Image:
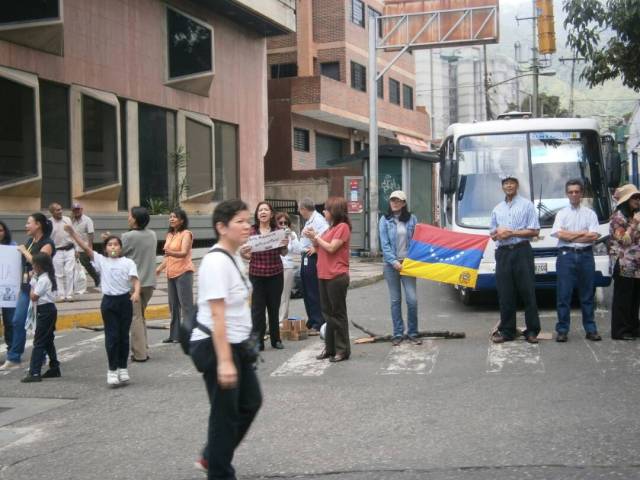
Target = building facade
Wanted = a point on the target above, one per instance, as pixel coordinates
(318, 100)
(128, 102)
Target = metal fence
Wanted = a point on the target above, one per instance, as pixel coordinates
(288, 206)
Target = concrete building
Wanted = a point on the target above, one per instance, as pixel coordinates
(125, 102)
(318, 101)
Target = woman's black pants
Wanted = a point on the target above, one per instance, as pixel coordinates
(117, 311)
(267, 292)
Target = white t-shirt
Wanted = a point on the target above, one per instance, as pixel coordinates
(42, 287)
(114, 273)
(218, 278)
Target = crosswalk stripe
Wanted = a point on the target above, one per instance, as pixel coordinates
(514, 357)
(413, 359)
(66, 354)
(303, 363)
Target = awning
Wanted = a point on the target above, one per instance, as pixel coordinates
(414, 143)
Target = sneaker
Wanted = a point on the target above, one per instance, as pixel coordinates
(202, 465)
(395, 341)
(9, 365)
(413, 340)
(31, 378)
(123, 375)
(562, 337)
(112, 378)
(52, 373)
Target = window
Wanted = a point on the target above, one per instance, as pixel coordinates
(380, 84)
(331, 70)
(300, 140)
(226, 161)
(375, 14)
(123, 197)
(157, 154)
(358, 77)
(394, 91)
(199, 157)
(283, 70)
(327, 148)
(99, 143)
(357, 12)
(407, 97)
(54, 131)
(29, 11)
(189, 45)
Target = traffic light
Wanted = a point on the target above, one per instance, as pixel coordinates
(546, 30)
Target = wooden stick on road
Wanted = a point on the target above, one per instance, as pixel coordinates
(374, 337)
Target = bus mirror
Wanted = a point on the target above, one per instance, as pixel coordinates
(614, 169)
(449, 176)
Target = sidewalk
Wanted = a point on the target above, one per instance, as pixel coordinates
(85, 311)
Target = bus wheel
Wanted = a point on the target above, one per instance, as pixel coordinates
(466, 295)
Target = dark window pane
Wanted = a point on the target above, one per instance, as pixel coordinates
(380, 84)
(357, 12)
(301, 140)
(394, 91)
(156, 140)
(189, 45)
(199, 161)
(407, 97)
(331, 70)
(327, 148)
(284, 70)
(99, 140)
(123, 201)
(226, 161)
(17, 132)
(54, 130)
(28, 10)
(358, 77)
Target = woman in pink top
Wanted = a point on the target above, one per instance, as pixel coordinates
(179, 268)
(333, 276)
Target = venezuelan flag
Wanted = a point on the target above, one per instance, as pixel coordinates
(444, 256)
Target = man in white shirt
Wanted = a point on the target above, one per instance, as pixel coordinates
(308, 270)
(83, 225)
(576, 228)
(64, 260)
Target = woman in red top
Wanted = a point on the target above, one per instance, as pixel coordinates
(333, 276)
(266, 275)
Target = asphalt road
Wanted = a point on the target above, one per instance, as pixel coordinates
(448, 409)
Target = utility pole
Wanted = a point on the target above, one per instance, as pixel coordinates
(373, 137)
(516, 48)
(573, 61)
(534, 62)
(486, 85)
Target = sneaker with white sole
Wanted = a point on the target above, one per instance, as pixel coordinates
(123, 375)
(112, 378)
(9, 365)
(202, 465)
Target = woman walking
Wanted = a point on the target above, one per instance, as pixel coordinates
(624, 230)
(219, 346)
(333, 276)
(283, 221)
(396, 231)
(179, 269)
(38, 229)
(139, 244)
(267, 277)
(43, 288)
(118, 276)
(7, 312)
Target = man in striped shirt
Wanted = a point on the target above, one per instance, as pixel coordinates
(576, 228)
(513, 223)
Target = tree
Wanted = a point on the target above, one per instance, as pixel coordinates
(607, 35)
(549, 106)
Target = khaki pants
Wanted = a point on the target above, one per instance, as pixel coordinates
(139, 344)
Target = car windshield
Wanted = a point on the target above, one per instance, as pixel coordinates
(541, 161)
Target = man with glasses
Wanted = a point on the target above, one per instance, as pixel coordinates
(576, 228)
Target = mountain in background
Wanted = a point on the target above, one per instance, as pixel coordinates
(609, 101)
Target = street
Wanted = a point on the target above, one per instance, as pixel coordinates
(448, 409)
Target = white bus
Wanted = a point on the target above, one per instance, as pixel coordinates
(543, 154)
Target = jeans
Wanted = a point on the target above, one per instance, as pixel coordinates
(180, 301)
(232, 412)
(117, 311)
(395, 282)
(575, 270)
(310, 292)
(19, 334)
(43, 339)
(267, 292)
(333, 298)
(7, 324)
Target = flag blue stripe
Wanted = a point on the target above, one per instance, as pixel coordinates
(428, 253)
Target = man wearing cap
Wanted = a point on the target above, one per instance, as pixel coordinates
(64, 260)
(513, 223)
(576, 228)
(83, 225)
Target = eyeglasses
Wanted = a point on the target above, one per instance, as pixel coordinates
(283, 223)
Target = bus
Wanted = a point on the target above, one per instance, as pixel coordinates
(543, 154)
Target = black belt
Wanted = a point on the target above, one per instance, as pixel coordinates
(576, 249)
(513, 246)
(66, 247)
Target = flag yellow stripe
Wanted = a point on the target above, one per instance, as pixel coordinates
(440, 272)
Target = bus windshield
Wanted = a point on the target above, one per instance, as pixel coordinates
(541, 161)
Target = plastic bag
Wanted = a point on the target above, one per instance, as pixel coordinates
(32, 313)
(79, 279)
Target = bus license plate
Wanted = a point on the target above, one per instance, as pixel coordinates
(541, 268)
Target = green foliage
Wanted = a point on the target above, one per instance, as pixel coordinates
(178, 161)
(156, 206)
(588, 25)
(549, 105)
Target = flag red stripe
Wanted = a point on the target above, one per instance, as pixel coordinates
(446, 238)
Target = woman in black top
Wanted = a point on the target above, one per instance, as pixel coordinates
(38, 229)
